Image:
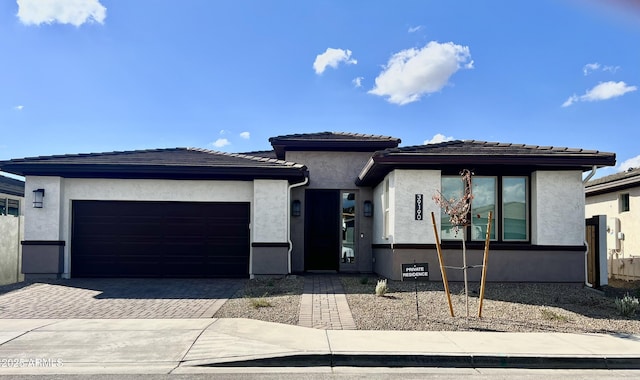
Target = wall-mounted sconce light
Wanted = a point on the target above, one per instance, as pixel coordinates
(367, 209)
(38, 198)
(296, 208)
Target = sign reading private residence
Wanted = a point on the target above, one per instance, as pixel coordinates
(416, 271)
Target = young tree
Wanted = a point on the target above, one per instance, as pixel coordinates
(459, 215)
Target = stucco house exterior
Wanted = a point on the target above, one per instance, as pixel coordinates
(617, 196)
(328, 201)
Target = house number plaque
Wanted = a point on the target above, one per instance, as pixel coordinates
(419, 201)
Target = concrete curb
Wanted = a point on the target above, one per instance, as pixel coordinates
(434, 360)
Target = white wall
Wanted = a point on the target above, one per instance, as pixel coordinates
(408, 183)
(607, 204)
(44, 223)
(270, 211)
(378, 211)
(557, 210)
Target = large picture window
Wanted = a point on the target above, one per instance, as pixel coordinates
(505, 196)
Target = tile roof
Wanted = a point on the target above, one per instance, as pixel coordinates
(476, 154)
(11, 186)
(188, 161)
(336, 136)
(614, 182)
(474, 147)
(331, 141)
(262, 153)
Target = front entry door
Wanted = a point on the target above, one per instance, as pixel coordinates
(322, 230)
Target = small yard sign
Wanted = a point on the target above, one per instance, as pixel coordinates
(416, 271)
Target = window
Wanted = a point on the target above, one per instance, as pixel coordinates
(9, 207)
(514, 209)
(348, 227)
(506, 197)
(484, 200)
(623, 202)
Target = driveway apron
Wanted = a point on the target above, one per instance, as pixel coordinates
(118, 298)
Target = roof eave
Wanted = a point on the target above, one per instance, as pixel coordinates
(291, 173)
(382, 163)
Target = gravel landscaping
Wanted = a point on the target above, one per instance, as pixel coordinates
(506, 307)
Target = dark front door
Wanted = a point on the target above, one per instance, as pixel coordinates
(159, 239)
(322, 230)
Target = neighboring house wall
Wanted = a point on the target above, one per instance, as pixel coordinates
(268, 199)
(11, 234)
(623, 254)
(333, 170)
(556, 219)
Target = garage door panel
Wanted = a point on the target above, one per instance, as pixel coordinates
(159, 239)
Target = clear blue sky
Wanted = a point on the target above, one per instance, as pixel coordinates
(80, 76)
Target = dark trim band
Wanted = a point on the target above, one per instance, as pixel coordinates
(44, 242)
(270, 245)
(493, 246)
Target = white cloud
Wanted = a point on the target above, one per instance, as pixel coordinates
(357, 81)
(572, 99)
(590, 67)
(219, 143)
(633, 162)
(411, 73)
(414, 29)
(332, 57)
(19, 107)
(245, 135)
(602, 91)
(438, 138)
(74, 12)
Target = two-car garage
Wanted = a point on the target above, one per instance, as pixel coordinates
(160, 239)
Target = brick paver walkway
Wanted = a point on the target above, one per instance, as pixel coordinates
(324, 304)
(118, 298)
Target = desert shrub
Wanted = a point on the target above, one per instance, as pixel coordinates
(627, 305)
(381, 288)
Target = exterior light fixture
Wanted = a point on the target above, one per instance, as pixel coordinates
(296, 208)
(38, 198)
(367, 209)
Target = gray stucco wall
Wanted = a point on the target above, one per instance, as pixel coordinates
(269, 261)
(503, 266)
(333, 170)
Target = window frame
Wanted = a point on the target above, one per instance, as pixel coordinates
(498, 223)
(527, 208)
(624, 204)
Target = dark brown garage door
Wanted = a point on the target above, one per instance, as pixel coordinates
(159, 239)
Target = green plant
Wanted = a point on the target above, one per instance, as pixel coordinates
(364, 280)
(628, 305)
(551, 315)
(257, 303)
(381, 288)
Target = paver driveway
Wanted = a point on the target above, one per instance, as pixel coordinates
(117, 298)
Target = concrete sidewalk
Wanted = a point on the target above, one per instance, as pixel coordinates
(161, 346)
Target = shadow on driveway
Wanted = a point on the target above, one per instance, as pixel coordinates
(117, 298)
